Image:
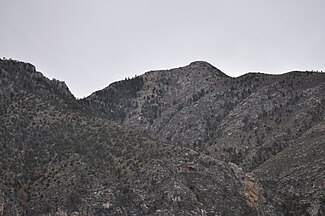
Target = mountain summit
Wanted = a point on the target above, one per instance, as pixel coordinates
(203, 65)
(184, 141)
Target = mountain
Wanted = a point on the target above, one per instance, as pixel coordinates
(251, 120)
(185, 141)
(245, 120)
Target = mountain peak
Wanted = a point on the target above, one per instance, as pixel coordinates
(200, 64)
(203, 65)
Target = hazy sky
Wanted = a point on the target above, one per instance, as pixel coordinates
(90, 44)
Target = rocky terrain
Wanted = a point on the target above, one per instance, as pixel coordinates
(185, 141)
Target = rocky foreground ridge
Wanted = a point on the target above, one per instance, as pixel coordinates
(185, 141)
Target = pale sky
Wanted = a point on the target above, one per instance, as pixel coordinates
(90, 44)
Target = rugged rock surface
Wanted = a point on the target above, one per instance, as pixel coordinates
(187, 141)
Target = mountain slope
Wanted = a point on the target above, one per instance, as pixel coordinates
(230, 118)
(57, 158)
(297, 174)
(247, 120)
(185, 141)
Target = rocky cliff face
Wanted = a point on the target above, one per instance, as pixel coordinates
(186, 141)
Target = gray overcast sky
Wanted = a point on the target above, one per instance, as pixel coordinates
(92, 43)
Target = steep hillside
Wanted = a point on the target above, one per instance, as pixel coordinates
(58, 159)
(160, 99)
(297, 174)
(235, 119)
(248, 120)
